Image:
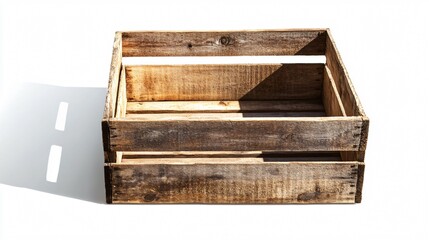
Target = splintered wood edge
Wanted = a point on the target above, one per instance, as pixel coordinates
(115, 69)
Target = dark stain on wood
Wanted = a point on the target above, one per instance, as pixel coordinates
(307, 196)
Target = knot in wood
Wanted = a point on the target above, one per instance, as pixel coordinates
(225, 40)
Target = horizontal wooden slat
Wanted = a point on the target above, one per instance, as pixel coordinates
(237, 134)
(225, 106)
(291, 182)
(271, 42)
(224, 82)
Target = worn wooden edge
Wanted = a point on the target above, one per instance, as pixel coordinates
(231, 30)
(364, 133)
(359, 182)
(108, 182)
(251, 119)
(331, 98)
(157, 183)
(121, 103)
(115, 68)
(105, 130)
(335, 63)
(224, 43)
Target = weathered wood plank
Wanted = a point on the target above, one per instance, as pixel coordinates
(359, 182)
(237, 134)
(121, 103)
(224, 82)
(290, 182)
(115, 69)
(312, 105)
(341, 78)
(270, 42)
(331, 98)
(112, 89)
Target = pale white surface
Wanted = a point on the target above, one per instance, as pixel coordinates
(52, 45)
(54, 161)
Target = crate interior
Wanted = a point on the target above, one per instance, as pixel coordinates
(229, 91)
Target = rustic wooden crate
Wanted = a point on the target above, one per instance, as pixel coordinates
(232, 133)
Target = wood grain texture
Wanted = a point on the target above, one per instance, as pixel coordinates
(237, 134)
(291, 182)
(115, 69)
(359, 182)
(331, 98)
(121, 102)
(312, 105)
(224, 82)
(111, 96)
(270, 42)
(341, 78)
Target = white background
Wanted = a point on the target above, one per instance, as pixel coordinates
(53, 52)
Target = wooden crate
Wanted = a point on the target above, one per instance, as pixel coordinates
(232, 133)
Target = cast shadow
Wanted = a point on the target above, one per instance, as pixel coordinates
(28, 131)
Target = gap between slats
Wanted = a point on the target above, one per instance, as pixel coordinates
(222, 109)
(224, 157)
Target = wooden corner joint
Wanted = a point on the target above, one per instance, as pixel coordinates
(364, 133)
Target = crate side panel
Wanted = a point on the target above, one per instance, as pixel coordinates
(281, 42)
(224, 82)
(245, 134)
(315, 182)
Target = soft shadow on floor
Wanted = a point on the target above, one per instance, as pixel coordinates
(28, 131)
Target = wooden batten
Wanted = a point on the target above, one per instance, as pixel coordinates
(349, 98)
(121, 103)
(112, 91)
(240, 134)
(292, 182)
(331, 98)
(219, 82)
(115, 70)
(225, 43)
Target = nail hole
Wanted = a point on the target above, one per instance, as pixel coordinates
(53, 163)
(189, 45)
(60, 123)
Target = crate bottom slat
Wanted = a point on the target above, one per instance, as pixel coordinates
(217, 182)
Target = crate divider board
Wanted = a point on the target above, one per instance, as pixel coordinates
(232, 133)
